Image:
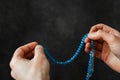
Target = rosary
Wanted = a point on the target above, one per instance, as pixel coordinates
(90, 69)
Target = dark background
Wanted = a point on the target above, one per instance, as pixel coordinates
(59, 25)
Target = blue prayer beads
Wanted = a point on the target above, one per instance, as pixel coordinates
(90, 62)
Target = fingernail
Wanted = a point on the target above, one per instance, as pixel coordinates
(39, 46)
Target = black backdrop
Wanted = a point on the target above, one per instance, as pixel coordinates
(59, 25)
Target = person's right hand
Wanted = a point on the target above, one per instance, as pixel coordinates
(107, 45)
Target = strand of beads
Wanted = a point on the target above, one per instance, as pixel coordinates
(91, 57)
(90, 62)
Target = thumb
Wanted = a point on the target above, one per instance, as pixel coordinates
(100, 34)
(39, 54)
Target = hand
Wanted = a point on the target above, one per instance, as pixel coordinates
(29, 63)
(107, 45)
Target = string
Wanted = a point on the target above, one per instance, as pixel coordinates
(90, 69)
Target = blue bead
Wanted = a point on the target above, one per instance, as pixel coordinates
(90, 62)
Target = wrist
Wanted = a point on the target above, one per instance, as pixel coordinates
(114, 63)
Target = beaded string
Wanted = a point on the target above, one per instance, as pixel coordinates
(90, 69)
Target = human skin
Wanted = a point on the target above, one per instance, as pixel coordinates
(107, 45)
(30, 63)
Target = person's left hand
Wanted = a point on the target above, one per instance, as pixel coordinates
(30, 63)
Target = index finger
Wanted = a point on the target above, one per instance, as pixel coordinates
(23, 50)
(105, 28)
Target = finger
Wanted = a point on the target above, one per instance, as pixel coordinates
(105, 28)
(30, 55)
(13, 63)
(23, 50)
(88, 45)
(13, 74)
(39, 54)
(98, 46)
(87, 40)
(40, 59)
(100, 34)
(100, 26)
(87, 50)
(97, 53)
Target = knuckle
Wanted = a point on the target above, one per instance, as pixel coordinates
(12, 64)
(97, 27)
(113, 38)
(99, 32)
(12, 74)
(100, 24)
(18, 49)
(93, 27)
